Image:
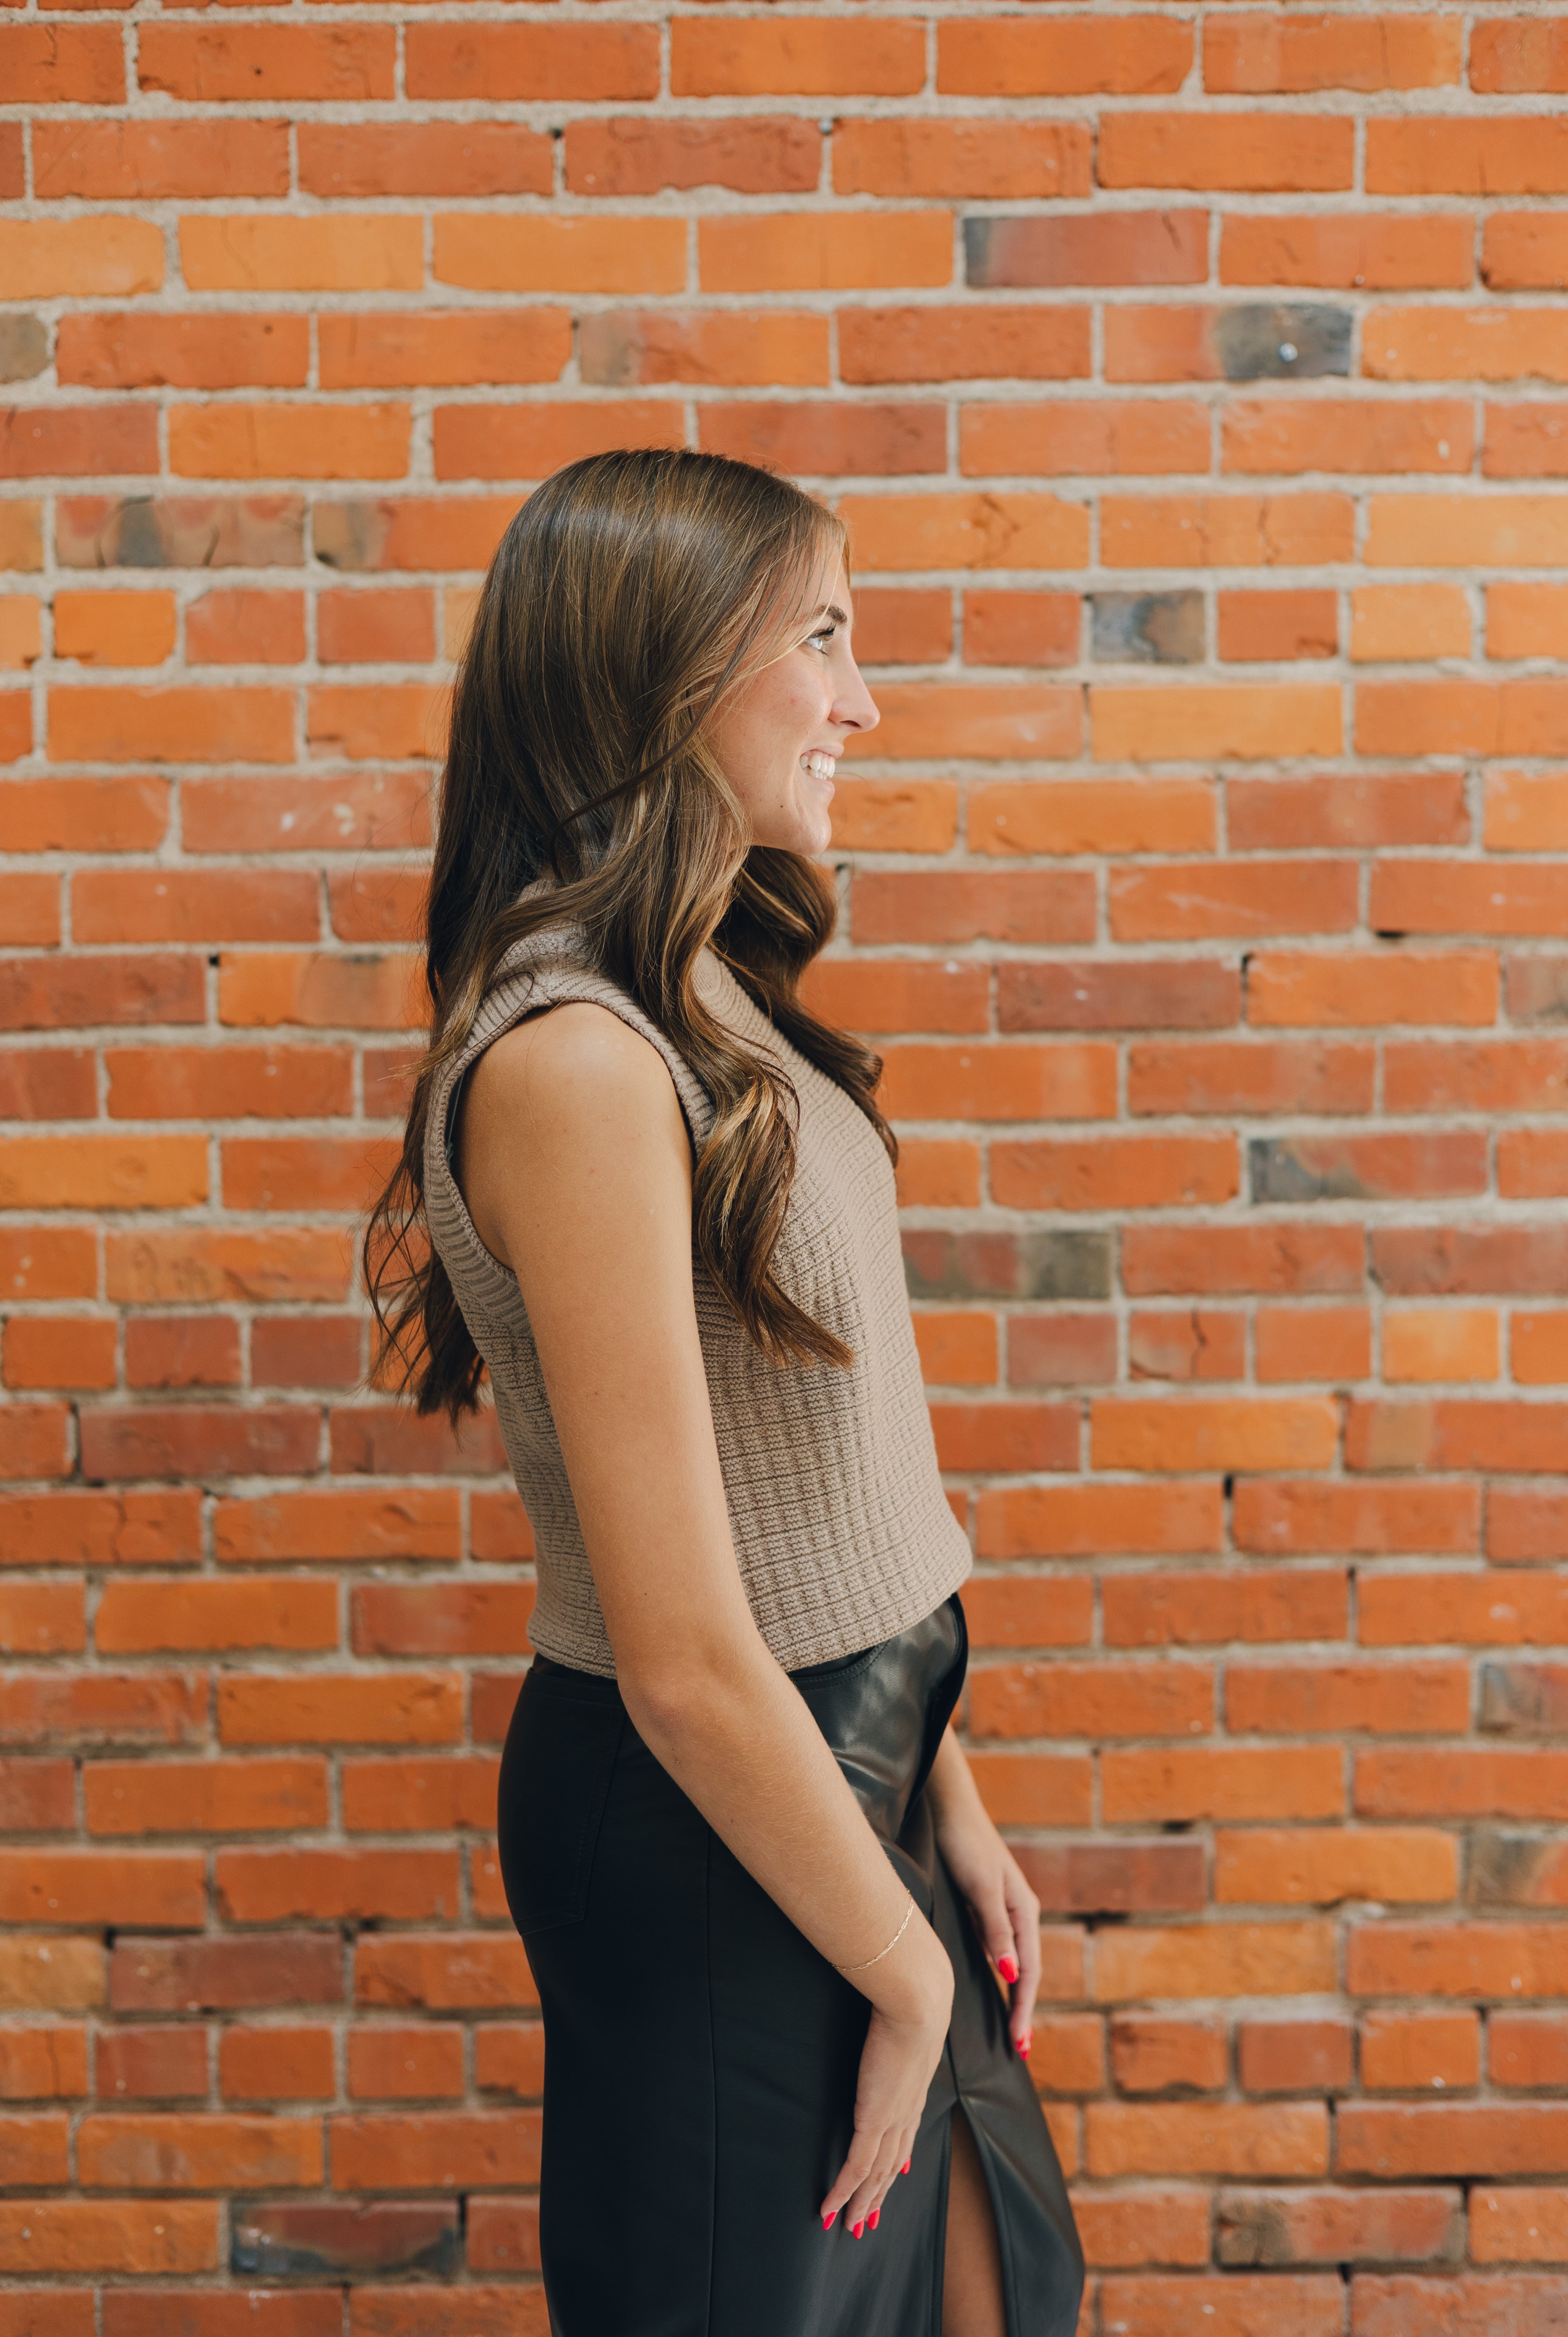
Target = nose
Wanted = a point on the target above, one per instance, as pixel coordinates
(853, 707)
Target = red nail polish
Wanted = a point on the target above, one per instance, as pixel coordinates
(858, 2228)
(828, 2221)
(1009, 1968)
(874, 2218)
(906, 2167)
(1027, 2044)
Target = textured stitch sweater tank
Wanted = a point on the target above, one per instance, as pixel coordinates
(841, 1530)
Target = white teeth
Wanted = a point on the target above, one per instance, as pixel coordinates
(819, 765)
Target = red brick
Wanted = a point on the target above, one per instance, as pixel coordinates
(62, 65)
(1380, 250)
(109, 161)
(193, 352)
(268, 62)
(151, 2064)
(435, 2150)
(1286, 2304)
(1253, 53)
(953, 157)
(1153, 2055)
(1401, 2052)
(1262, 153)
(185, 2152)
(1521, 2225)
(225, 1975)
(77, 441)
(421, 158)
(275, 2065)
(759, 155)
(825, 439)
(536, 61)
(225, 1797)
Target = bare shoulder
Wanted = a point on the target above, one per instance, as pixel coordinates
(582, 1101)
(569, 1058)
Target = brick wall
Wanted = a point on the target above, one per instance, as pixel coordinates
(1190, 380)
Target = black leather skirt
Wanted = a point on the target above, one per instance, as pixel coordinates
(701, 2056)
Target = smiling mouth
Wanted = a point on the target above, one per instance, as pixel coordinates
(819, 765)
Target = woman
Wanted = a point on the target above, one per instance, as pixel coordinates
(785, 2097)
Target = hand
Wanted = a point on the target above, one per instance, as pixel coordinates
(904, 2043)
(1006, 1912)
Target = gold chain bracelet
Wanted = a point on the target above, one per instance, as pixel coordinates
(881, 1953)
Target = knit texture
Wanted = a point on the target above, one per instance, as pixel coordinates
(841, 1529)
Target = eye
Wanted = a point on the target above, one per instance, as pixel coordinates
(820, 640)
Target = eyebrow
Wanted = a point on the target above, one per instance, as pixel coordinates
(831, 609)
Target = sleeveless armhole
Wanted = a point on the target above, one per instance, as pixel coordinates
(515, 998)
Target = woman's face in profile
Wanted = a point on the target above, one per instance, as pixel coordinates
(779, 738)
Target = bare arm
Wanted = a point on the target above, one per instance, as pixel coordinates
(576, 1168)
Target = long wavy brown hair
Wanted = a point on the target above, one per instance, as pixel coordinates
(631, 593)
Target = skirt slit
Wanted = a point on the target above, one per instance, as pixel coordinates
(701, 2056)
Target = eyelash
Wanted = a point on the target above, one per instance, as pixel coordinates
(824, 633)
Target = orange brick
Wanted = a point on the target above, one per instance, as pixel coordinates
(295, 441)
(115, 629)
(1303, 1866)
(21, 633)
(1076, 818)
(81, 256)
(1255, 1434)
(1400, 2052)
(627, 155)
(969, 343)
(1313, 1343)
(1361, 988)
(491, 62)
(1253, 53)
(418, 158)
(618, 347)
(266, 62)
(565, 255)
(816, 251)
(1117, 435)
(1227, 531)
(794, 56)
(1259, 627)
(275, 2065)
(1525, 620)
(240, 626)
(122, 161)
(1538, 1348)
(913, 156)
(1399, 622)
(1412, 343)
(1260, 153)
(528, 441)
(57, 1351)
(1075, 56)
(1380, 250)
(1446, 1343)
(893, 532)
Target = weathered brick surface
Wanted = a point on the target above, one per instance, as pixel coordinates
(1192, 379)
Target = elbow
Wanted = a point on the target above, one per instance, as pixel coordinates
(681, 1708)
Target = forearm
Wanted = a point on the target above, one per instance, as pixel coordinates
(738, 1739)
(950, 1788)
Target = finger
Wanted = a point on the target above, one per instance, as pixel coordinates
(864, 2152)
(868, 2199)
(996, 1927)
(902, 2158)
(1024, 1910)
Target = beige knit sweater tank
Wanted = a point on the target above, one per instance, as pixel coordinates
(841, 1530)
